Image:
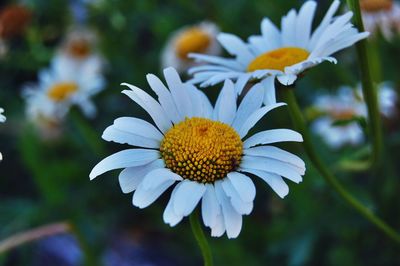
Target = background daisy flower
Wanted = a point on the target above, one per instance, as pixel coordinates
(62, 86)
(2, 120)
(2, 117)
(338, 125)
(80, 49)
(204, 151)
(381, 15)
(283, 54)
(200, 38)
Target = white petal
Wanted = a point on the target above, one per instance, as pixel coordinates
(241, 82)
(271, 35)
(218, 229)
(232, 219)
(274, 181)
(272, 136)
(235, 46)
(131, 177)
(125, 130)
(158, 176)
(225, 108)
(272, 166)
(324, 23)
(269, 90)
(243, 185)
(169, 215)
(255, 117)
(143, 198)
(151, 106)
(164, 97)
(288, 29)
(209, 206)
(304, 23)
(138, 127)
(187, 195)
(229, 63)
(122, 159)
(287, 79)
(180, 95)
(275, 153)
(240, 206)
(251, 102)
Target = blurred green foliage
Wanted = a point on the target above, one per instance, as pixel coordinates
(43, 182)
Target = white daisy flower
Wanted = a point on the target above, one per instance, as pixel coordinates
(381, 15)
(2, 120)
(284, 53)
(62, 86)
(345, 106)
(204, 151)
(200, 38)
(2, 117)
(79, 50)
(342, 106)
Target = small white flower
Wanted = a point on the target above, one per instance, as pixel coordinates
(79, 50)
(283, 54)
(2, 120)
(345, 106)
(62, 86)
(206, 152)
(381, 15)
(2, 117)
(200, 38)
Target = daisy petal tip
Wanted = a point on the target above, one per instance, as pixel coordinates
(92, 175)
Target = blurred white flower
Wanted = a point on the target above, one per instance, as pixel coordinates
(58, 89)
(283, 54)
(337, 126)
(200, 38)
(205, 149)
(2, 120)
(381, 15)
(79, 49)
(2, 117)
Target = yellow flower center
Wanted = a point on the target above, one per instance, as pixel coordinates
(278, 59)
(61, 91)
(343, 114)
(193, 40)
(79, 48)
(375, 5)
(201, 150)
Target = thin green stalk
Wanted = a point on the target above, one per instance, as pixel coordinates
(300, 124)
(89, 258)
(201, 238)
(369, 90)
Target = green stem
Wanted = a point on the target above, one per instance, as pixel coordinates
(89, 258)
(200, 238)
(369, 90)
(300, 124)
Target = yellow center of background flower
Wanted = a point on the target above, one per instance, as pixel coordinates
(278, 59)
(79, 48)
(343, 114)
(193, 40)
(61, 91)
(201, 150)
(375, 5)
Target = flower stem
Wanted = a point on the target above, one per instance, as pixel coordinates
(300, 124)
(369, 90)
(201, 239)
